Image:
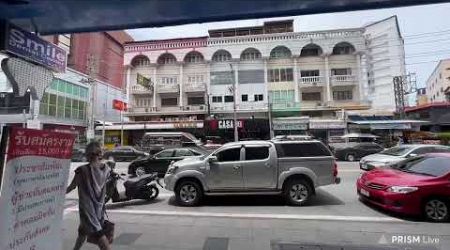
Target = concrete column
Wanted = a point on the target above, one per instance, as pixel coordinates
(236, 83)
(327, 79)
(266, 82)
(128, 83)
(296, 89)
(155, 87)
(181, 85)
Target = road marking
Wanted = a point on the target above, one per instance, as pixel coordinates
(250, 216)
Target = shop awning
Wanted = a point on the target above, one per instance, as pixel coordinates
(70, 16)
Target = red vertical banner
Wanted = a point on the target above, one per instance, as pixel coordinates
(120, 105)
(35, 172)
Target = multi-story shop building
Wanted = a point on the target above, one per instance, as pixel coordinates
(438, 84)
(261, 70)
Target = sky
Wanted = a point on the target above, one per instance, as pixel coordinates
(426, 31)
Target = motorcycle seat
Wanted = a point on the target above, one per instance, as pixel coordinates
(134, 181)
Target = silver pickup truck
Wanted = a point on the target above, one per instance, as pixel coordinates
(291, 168)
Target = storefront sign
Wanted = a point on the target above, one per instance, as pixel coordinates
(290, 125)
(326, 125)
(185, 124)
(119, 105)
(228, 124)
(31, 47)
(33, 190)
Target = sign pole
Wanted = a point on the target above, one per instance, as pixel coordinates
(121, 127)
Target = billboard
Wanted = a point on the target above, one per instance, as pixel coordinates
(34, 177)
(31, 47)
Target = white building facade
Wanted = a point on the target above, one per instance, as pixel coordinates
(263, 69)
(438, 84)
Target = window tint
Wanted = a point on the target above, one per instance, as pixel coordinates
(256, 153)
(441, 149)
(164, 154)
(232, 154)
(183, 152)
(421, 151)
(301, 150)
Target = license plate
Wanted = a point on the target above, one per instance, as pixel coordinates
(364, 192)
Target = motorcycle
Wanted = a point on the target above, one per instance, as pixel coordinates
(142, 187)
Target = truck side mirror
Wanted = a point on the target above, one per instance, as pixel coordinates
(212, 159)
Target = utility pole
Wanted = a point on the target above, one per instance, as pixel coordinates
(269, 107)
(235, 125)
(91, 68)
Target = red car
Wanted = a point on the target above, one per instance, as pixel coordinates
(417, 186)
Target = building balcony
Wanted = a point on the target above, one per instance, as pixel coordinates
(194, 87)
(252, 106)
(141, 90)
(343, 80)
(202, 107)
(351, 104)
(171, 110)
(312, 81)
(167, 88)
(285, 106)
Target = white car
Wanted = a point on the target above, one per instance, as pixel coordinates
(396, 154)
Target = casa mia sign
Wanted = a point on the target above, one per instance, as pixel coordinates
(31, 47)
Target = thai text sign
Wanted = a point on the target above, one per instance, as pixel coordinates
(33, 189)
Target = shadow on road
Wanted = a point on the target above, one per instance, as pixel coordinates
(132, 203)
(321, 198)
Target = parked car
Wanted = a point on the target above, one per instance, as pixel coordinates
(416, 186)
(125, 153)
(160, 162)
(78, 155)
(291, 168)
(397, 154)
(355, 151)
(292, 138)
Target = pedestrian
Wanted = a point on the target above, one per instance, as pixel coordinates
(90, 179)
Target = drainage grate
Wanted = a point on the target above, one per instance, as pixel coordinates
(126, 239)
(216, 244)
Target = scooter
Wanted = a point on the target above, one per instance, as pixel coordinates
(142, 187)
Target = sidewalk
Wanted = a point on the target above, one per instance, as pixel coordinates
(139, 232)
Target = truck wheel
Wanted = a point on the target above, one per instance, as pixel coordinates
(436, 210)
(297, 192)
(188, 193)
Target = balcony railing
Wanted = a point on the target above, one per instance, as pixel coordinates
(312, 81)
(285, 106)
(343, 80)
(138, 89)
(194, 87)
(252, 106)
(168, 88)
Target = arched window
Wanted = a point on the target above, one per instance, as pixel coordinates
(221, 56)
(250, 54)
(311, 50)
(167, 58)
(280, 52)
(193, 57)
(140, 60)
(343, 48)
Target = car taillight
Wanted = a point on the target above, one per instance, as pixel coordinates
(335, 170)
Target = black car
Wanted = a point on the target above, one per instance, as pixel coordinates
(125, 153)
(160, 161)
(78, 155)
(355, 151)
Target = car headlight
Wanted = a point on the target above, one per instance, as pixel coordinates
(402, 189)
(172, 169)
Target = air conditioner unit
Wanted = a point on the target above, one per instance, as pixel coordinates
(202, 107)
(187, 108)
(146, 110)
